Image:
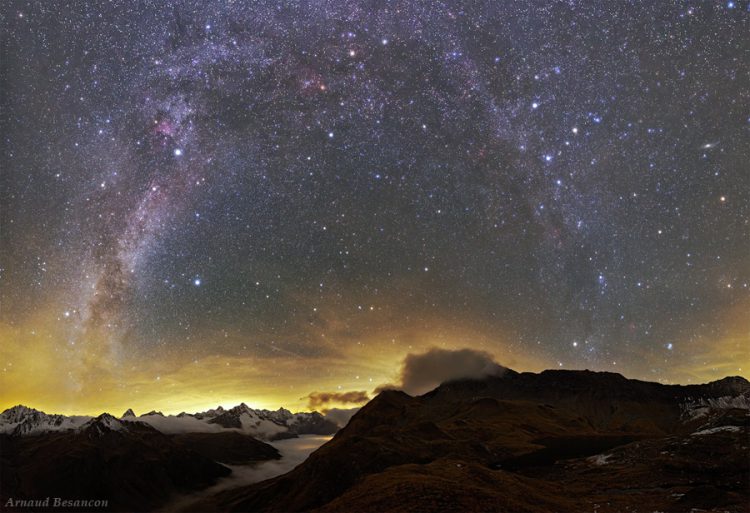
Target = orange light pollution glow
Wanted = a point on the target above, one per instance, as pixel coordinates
(39, 369)
(212, 204)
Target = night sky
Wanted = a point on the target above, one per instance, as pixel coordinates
(210, 202)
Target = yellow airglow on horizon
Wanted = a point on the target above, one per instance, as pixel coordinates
(41, 369)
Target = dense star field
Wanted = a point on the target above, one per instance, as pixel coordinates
(206, 202)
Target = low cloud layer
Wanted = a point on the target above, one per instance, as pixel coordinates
(341, 416)
(423, 372)
(323, 400)
(293, 452)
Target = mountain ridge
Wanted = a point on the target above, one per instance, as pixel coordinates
(511, 429)
(21, 420)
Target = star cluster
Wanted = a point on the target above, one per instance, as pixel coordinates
(216, 200)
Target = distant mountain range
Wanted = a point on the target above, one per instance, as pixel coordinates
(564, 441)
(263, 424)
(129, 464)
(137, 463)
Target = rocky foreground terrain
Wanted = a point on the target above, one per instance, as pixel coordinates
(567, 441)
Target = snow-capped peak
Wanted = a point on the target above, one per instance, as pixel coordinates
(17, 413)
(22, 420)
(102, 424)
(264, 424)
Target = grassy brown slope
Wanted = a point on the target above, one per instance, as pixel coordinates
(395, 429)
(673, 474)
(448, 485)
(509, 423)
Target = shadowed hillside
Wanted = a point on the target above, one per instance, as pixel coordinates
(559, 440)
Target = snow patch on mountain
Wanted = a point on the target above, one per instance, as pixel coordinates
(262, 424)
(720, 429)
(692, 410)
(22, 420)
(259, 427)
(171, 424)
(600, 459)
(101, 425)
